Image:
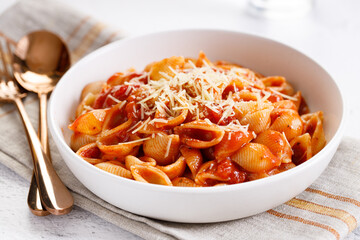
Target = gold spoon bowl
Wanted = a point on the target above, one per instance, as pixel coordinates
(40, 59)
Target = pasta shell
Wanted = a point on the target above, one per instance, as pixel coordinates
(301, 146)
(92, 88)
(184, 182)
(79, 139)
(117, 143)
(258, 121)
(149, 129)
(277, 144)
(273, 81)
(174, 121)
(200, 134)
(287, 89)
(301, 104)
(286, 166)
(243, 108)
(235, 86)
(115, 135)
(193, 158)
(121, 150)
(287, 121)
(231, 142)
(279, 84)
(259, 175)
(314, 126)
(163, 148)
(120, 78)
(85, 104)
(120, 157)
(254, 77)
(206, 175)
(174, 170)
(246, 95)
(90, 153)
(298, 100)
(115, 116)
(162, 69)
(89, 123)
(132, 160)
(285, 104)
(149, 174)
(114, 168)
(215, 172)
(203, 60)
(255, 157)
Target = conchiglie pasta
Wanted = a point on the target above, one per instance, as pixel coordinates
(85, 104)
(114, 117)
(174, 121)
(217, 172)
(285, 104)
(121, 150)
(117, 143)
(193, 159)
(255, 157)
(92, 88)
(175, 169)
(149, 174)
(191, 122)
(163, 148)
(277, 144)
(279, 84)
(231, 142)
(131, 160)
(258, 121)
(314, 126)
(259, 175)
(243, 108)
(301, 146)
(200, 134)
(91, 153)
(287, 121)
(114, 168)
(202, 60)
(80, 139)
(184, 182)
(89, 123)
(162, 69)
(207, 177)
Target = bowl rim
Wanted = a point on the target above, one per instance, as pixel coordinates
(57, 135)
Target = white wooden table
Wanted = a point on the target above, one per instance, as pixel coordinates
(330, 34)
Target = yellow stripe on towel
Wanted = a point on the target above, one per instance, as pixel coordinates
(305, 221)
(342, 215)
(332, 196)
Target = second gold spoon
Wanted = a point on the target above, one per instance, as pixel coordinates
(40, 59)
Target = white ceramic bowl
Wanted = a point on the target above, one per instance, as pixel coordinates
(199, 205)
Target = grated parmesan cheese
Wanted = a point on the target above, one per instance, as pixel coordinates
(283, 95)
(113, 98)
(168, 148)
(135, 141)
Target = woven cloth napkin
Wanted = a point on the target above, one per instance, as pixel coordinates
(328, 209)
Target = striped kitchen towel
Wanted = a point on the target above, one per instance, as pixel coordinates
(328, 209)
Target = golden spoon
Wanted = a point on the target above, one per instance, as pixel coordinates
(40, 59)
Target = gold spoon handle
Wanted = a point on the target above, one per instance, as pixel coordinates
(43, 130)
(54, 195)
(34, 202)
